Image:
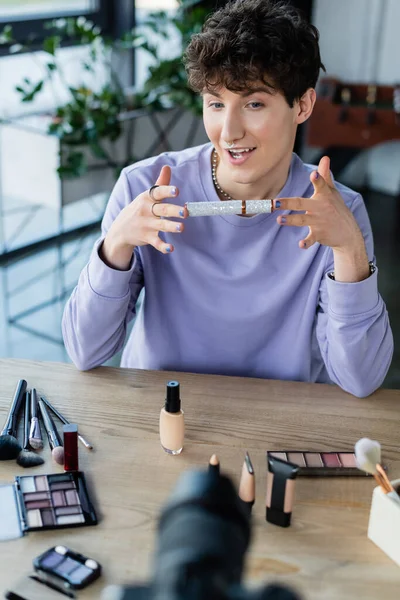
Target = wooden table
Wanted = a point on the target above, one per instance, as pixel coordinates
(325, 554)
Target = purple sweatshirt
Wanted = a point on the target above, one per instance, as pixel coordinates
(236, 297)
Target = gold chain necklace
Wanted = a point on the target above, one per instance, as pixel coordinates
(214, 175)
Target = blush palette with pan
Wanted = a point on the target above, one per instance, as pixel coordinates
(38, 502)
(321, 463)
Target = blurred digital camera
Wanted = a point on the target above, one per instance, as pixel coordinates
(203, 535)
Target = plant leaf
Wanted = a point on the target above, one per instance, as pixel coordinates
(73, 164)
(6, 36)
(97, 150)
(51, 44)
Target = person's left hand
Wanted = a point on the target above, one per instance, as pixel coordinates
(329, 220)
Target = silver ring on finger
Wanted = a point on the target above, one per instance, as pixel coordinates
(151, 191)
(152, 210)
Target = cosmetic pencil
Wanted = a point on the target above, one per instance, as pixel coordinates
(84, 441)
(213, 465)
(229, 207)
(35, 435)
(57, 450)
(26, 458)
(247, 486)
(9, 445)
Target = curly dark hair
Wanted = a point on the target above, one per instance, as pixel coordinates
(249, 41)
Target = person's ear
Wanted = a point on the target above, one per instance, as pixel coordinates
(305, 105)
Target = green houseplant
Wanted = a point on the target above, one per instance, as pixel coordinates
(91, 116)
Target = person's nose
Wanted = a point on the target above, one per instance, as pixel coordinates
(232, 129)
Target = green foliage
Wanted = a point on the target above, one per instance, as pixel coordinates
(29, 90)
(92, 118)
(167, 83)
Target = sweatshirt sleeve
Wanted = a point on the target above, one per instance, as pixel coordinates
(353, 327)
(102, 304)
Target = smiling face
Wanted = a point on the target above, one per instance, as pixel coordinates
(263, 127)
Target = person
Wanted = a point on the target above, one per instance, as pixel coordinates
(287, 295)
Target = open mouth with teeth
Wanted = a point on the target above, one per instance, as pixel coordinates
(242, 153)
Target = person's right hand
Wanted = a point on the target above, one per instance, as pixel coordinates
(139, 224)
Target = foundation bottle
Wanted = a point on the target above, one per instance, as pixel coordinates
(172, 425)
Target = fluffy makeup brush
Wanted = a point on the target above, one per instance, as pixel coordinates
(9, 445)
(26, 458)
(87, 444)
(35, 435)
(368, 458)
(57, 450)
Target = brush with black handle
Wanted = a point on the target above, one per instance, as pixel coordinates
(57, 413)
(26, 458)
(57, 449)
(9, 445)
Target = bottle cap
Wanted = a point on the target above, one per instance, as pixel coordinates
(173, 400)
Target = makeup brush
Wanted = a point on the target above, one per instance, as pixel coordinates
(9, 445)
(247, 486)
(26, 458)
(35, 435)
(213, 465)
(57, 450)
(87, 444)
(368, 458)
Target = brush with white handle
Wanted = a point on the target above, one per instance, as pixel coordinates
(368, 458)
(35, 435)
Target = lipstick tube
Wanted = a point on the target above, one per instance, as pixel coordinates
(229, 207)
(71, 462)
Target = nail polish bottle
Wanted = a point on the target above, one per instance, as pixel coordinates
(172, 425)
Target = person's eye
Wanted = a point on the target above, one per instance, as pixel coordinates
(216, 105)
(255, 105)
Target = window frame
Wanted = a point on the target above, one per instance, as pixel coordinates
(104, 17)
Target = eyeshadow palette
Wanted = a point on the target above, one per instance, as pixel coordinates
(38, 502)
(322, 463)
(71, 569)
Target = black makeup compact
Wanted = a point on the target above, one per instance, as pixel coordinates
(59, 572)
(39, 502)
(74, 570)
